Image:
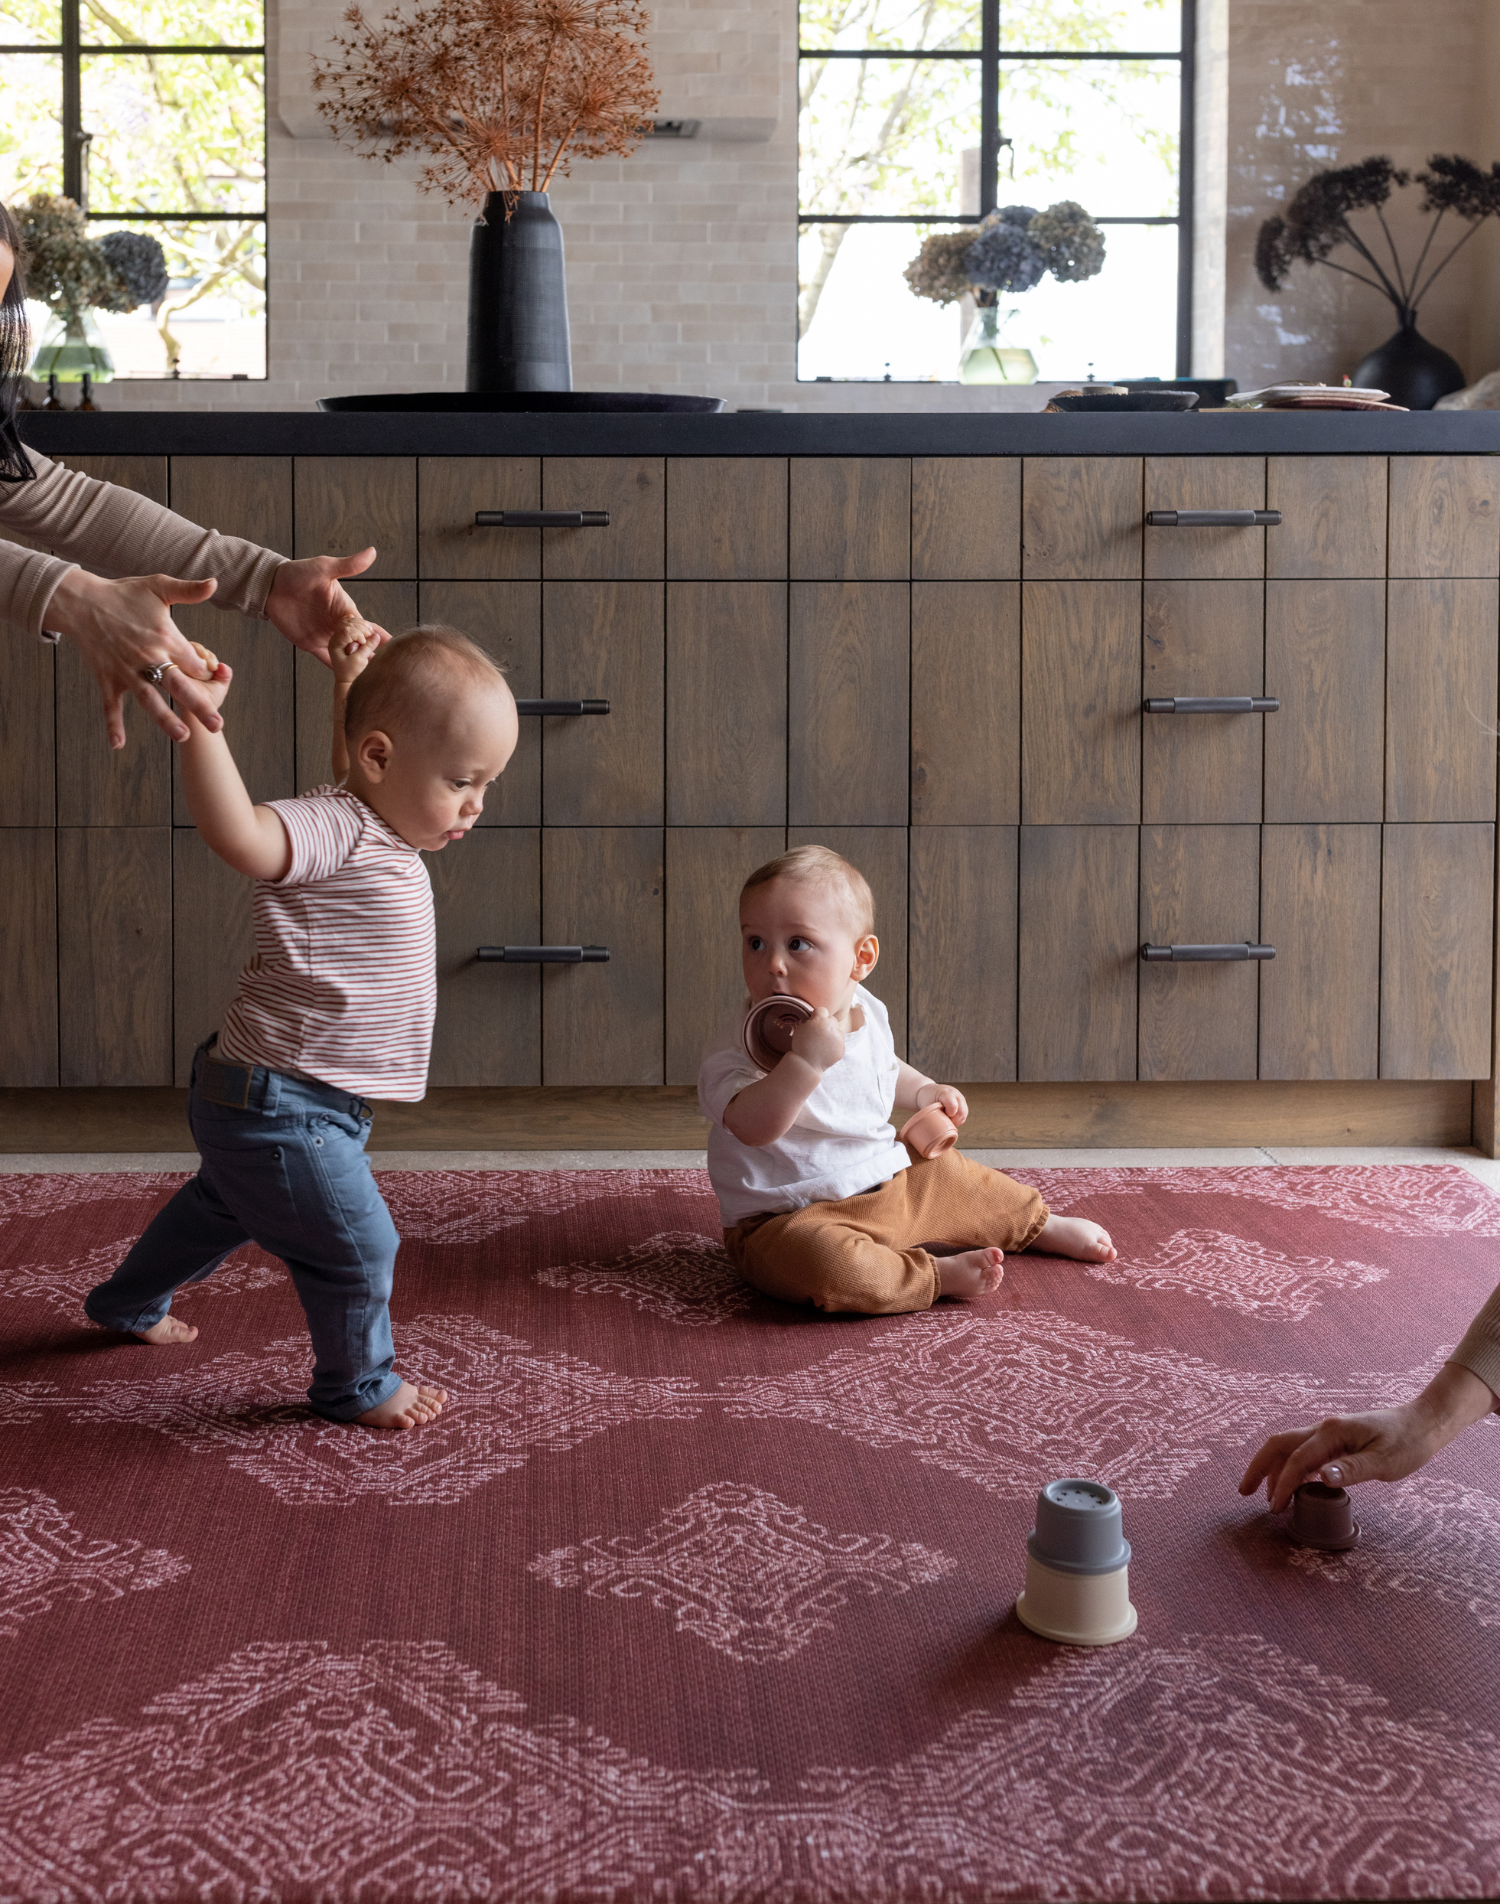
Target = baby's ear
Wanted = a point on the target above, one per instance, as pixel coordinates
(866, 955)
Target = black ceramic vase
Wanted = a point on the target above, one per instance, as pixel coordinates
(1413, 372)
(518, 298)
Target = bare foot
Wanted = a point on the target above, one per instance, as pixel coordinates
(1077, 1237)
(410, 1407)
(976, 1273)
(169, 1329)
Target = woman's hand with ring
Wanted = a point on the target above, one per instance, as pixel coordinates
(123, 628)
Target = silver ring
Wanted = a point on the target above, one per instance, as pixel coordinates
(155, 674)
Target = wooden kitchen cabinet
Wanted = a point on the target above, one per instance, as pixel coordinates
(213, 938)
(1436, 909)
(28, 956)
(850, 518)
(604, 641)
(1079, 952)
(631, 491)
(1081, 703)
(246, 496)
(487, 890)
(848, 703)
(345, 503)
(1081, 518)
(1203, 638)
(1320, 908)
(965, 703)
(114, 954)
(1333, 516)
(965, 518)
(28, 732)
(1325, 663)
(1205, 482)
(705, 984)
(451, 491)
(1200, 885)
(963, 952)
(507, 623)
(259, 714)
(726, 518)
(1440, 693)
(603, 1024)
(726, 704)
(1444, 516)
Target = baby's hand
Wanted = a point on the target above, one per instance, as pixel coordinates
(819, 1041)
(953, 1103)
(216, 674)
(352, 648)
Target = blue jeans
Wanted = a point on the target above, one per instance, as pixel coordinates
(284, 1166)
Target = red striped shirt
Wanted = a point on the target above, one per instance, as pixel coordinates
(343, 984)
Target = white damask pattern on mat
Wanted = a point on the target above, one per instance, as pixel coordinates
(506, 1403)
(44, 1194)
(1431, 1538)
(45, 1561)
(745, 1571)
(64, 1285)
(398, 1773)
(464, 1206)
(1235, 1272)
(678, 1275)
(1011, 1402)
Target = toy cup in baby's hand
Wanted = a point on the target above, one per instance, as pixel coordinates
(930, 1132)
(769, 1027)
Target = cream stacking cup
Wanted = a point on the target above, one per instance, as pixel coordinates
(1078, 1567)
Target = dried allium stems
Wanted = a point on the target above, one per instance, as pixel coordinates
(501, 93)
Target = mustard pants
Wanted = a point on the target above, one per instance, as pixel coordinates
(870, 1254)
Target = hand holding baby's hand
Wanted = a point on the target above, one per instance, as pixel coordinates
(352, 648)
(819, 1040)
(948, 1100)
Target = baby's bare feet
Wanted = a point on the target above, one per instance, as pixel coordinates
(411, 1406)
(974, 1273)
(169, 1329)
(1077, 1237)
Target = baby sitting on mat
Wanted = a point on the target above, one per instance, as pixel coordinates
(820, 1201)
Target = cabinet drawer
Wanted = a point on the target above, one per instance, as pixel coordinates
(1081, 702)
(1325, 663)
(726, 703)
(1333, 516)
(1320, 908)
(1436, 933)
(850, 518)
(28, 731)
(631, 491)
(345, 503)
(1205, 482)
(487, 890)
(1082, 518)
(114, 954)
(965, 703)
(1079, 950)
(962, 948)
(1208, 639)
(451, 492)
(965, 518)
(848, 703)
(603, 1024)
(604, 641)
(705, 984)
(1200, 885)
(28, 956)
(727, 518)
(248, 496)
(1441, 700)
(1445, 516)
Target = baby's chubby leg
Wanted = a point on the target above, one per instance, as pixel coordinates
(1076, 1236)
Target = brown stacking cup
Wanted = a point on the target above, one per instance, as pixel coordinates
(1323, 1517)
(769, 1027)
(930, 1132)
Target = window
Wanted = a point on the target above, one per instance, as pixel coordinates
(151, 116)
(924, 115)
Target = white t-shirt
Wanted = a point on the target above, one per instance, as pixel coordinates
(842, 1142)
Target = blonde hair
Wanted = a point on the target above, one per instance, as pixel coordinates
(821, 866)
(419, 674)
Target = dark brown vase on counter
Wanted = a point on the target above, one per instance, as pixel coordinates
(1413, 372)
(518, 298)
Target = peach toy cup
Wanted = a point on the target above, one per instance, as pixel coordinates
(769, 1027)
(930, 1132)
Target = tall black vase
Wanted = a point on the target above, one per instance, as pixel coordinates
(1414, 372)
(518, 298)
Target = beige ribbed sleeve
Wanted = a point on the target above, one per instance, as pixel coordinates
(98, 526)
(1480, 1349)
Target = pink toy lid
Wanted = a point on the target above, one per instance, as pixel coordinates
(769, 1027)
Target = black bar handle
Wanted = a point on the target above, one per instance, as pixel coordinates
(543, 955)
(541, 519)
(1213, 518)
(562, 707)
(1228, 954)
(1213, 704)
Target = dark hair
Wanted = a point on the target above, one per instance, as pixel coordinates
(15, 349)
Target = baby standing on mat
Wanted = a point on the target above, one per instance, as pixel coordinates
(819, 1200)
(335, 1007)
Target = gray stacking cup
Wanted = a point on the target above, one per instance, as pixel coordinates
(1078, 1567)
(1078, 1528)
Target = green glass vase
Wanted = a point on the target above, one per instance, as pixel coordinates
(72, 349)
(985, 358)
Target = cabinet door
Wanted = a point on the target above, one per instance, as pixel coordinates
(965, 518)
(1081, 518)
(1320, 908)
(880, 853)
(726, 703)
(28, 956)
(963, 953)
(1325, 662)
(1440, 688)
(1199, 885)
(1081, 703)
(247, 496)
(213, 937)
(726, 518)
(1445, 516)
(394, 606)
(451, 491)
(1078, 952)
(631, 490)
(28, 732)
(507, 624)
(1203, 638)
(1436, 932)
(848, 703)
(604, 641)
(1333, 516)
(345, 503)
(259, 716)
(114, 954)
(705, 986)
(850, 518)
(965, 703)
(487, 890)
(1205, 482)
(603, 1024)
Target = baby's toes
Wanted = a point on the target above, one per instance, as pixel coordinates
(1104, 1249)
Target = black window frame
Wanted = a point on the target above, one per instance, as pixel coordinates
(990, 58)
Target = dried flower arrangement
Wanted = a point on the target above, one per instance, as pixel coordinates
(501, 93)
(69, 273)
(1008, 252)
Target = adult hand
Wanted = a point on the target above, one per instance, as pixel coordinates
(308, 604)
(123, 627)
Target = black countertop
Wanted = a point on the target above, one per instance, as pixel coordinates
(318, 433)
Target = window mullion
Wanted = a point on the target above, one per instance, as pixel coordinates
(75, 141)
(989, 105)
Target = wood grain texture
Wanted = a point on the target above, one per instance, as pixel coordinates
(145, 475)
(213, 938)
(487, 890)
(259, 713)
(965, 703)
(1445, 516)
(962, 944)
(1081, 518)
(607, 641)
(451, 490)
(726, 518)
(1320, 908)
(394, 606)
(1437, 913)
(848, 704)
(880, 853)
(28, 956)
(507, 624)
(1079, 952)
(633, 490)
(1199, 885)
(1325, 661)
(705, 986)
(1205, 482)
(28, 731)
(1440, 687)
(246, 496)
(726, 703)
(850, 518)
(1203, 638)
(346, 503)
(114, 954)
(1081, 703)
(1333, 516)
(603, 1024)
(965, 518)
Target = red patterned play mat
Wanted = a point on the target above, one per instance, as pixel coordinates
(691, 1596)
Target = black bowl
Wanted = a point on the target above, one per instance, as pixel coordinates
(513, 402)
(1127, 400)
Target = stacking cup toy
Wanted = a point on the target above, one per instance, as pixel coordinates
(930, 1132)
(1078, 1567)
(1323, 1517)
(769, 1027)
